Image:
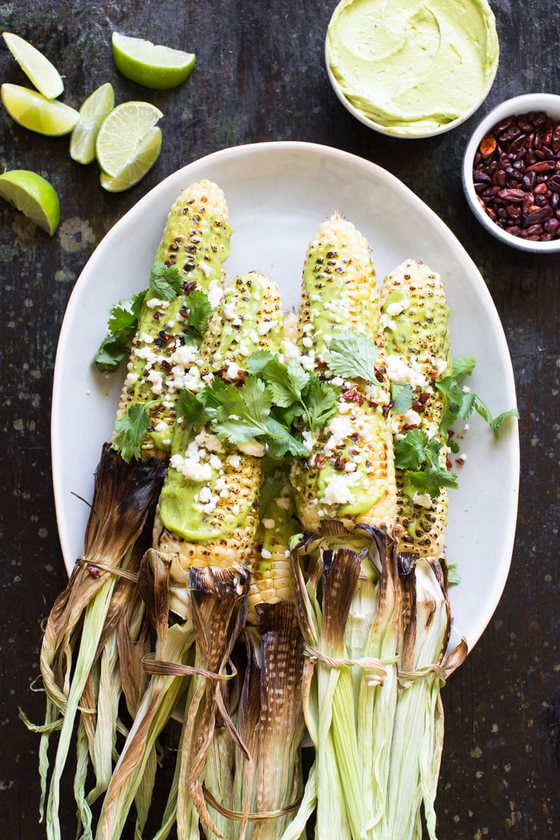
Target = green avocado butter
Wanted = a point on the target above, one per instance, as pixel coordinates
(412, 66)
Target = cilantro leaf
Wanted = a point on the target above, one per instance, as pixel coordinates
(258, 360)
(242, 413)
(200, 310)
(282, 442)
(401, 396)
(459, 403)
(166, 281)
(429, 481)
(286, 382)
(193, 410)
(418, 456)
(352, 355)
(131, 429)
(321, 401)
(122, 325)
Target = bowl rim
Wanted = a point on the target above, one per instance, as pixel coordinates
(522, 103)
(391, 132)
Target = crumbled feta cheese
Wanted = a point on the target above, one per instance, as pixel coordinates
(252, 447)
(340, 428)
(291, 350)
(205, 495)
(396, 307)
(210, 442)
(423, 500)
(156, 303)
(234, 461)
(441, 366)
(232, 371)
(339, 490)
(265, 327)
(412, 418)
(205, 268)
(131, 379)
(156, 379)
(184, 355)
(191, 468)
(266, 554)
(214, 293)
(146, 338)
(268, 523)
(401, 374)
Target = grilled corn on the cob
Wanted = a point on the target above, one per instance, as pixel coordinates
(415, 321)
(349, 474)
(196, 241)
(208, 510)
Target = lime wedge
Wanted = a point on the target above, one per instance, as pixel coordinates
(122, 133)
(93, 111)
(35, 65)
(33, 195)
(34, 111)
(151, 65)
(146, 155)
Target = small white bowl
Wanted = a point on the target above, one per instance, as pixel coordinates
(530, 102)
(402, 132)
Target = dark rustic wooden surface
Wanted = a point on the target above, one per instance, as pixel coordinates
(260, 76)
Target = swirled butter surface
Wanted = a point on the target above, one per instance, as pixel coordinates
(413, 66)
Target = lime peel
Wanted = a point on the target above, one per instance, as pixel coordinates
(152, 65)
(39, 70)
(33, 195)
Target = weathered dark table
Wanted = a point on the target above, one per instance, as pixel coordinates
(260, 76)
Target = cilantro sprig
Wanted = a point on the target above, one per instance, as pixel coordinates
(419, 455)
(267, 406)
(130, 430)
(166, 282)
(460, 402)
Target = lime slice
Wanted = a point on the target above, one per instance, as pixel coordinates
(122, 133)
(33, 195)
(35, 65)
(151, 65)
(94, 109)
(34, 111)
(146, 155)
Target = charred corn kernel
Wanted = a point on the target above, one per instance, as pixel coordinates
(196, 240)
(415, 322)
(209, 505)
(271, 577)
(349, 474)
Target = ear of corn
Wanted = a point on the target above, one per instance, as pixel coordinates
(349, 474)
(196, 242)
(415, 321)
(209, 505)
(271, 577)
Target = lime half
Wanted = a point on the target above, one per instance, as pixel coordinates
(122, 133)
(33, 195)
(152, 65)
(37, 67)
(34, 111)
(93, 111)
(146, 155)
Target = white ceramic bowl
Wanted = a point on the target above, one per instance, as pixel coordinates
(547, 102)
(402, 131)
